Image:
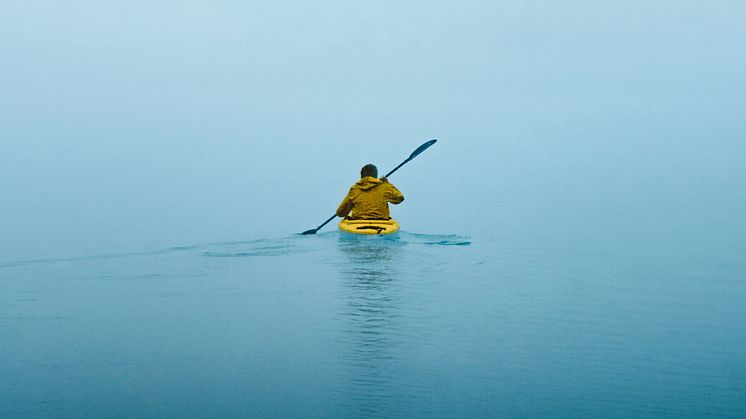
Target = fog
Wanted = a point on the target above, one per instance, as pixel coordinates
(132, 126)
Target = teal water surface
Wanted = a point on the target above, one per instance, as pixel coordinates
(414, 325)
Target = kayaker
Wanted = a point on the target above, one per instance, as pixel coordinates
(368, 198)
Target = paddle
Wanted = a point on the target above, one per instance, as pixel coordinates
(414, 154)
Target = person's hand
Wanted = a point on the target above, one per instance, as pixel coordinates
(384, 180)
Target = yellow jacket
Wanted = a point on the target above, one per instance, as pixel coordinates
(369, 198)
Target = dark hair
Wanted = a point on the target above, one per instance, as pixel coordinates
(369, 170)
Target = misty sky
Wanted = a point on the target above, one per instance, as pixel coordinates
(131, 126)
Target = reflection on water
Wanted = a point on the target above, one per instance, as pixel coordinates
(370, 309)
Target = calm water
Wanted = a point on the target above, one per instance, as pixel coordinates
(417, 326)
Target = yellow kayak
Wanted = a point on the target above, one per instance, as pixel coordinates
(369, 226)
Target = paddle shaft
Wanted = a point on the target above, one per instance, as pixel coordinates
(397, 168)
(414, 154)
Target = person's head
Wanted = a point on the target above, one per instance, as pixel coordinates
(369, 170)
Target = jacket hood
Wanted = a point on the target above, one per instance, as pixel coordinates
(367, 183)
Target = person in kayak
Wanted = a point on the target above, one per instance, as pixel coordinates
(368, 198)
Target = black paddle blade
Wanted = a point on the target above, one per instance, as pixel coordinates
(421, 148)
(315, 230)
(414, 154)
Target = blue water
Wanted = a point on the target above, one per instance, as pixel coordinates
(418, 325)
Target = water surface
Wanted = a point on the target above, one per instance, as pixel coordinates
(419, 325)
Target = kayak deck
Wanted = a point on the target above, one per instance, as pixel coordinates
(377, 227)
